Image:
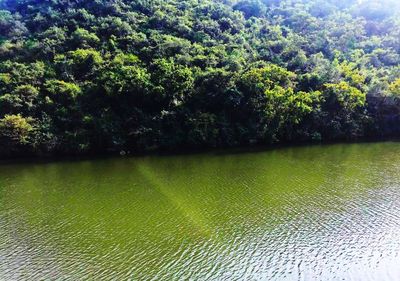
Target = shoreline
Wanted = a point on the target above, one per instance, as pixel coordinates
(186, 151)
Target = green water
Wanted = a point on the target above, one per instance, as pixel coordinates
(306, 213)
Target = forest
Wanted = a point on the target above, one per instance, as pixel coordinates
(102, 76)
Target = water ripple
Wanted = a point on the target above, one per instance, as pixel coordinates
(310, 213)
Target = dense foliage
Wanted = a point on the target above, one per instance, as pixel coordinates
(80, 76)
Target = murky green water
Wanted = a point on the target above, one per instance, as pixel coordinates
(306, 213)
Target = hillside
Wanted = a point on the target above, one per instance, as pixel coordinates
(80, 76)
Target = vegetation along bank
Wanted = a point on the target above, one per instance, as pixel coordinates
(80, 76)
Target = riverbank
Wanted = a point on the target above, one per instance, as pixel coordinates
(185, 151)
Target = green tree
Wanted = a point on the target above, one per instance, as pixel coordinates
(171, 80)
(24, 99)
(347, 97)
(80, 64)
(84, 39)
(251, 8)
(125, 75)
(15, 133)
(61, 92)
(394, 88)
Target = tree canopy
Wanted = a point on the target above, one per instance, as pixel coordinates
(95, 76)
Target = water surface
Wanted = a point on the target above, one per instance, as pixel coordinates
(306, 213)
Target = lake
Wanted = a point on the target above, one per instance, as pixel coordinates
(328, 212)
